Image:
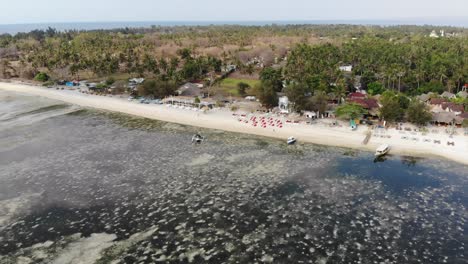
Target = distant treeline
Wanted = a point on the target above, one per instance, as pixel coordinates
(396, 57)
(233, 30)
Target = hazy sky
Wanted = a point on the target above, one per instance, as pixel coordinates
(33, 11)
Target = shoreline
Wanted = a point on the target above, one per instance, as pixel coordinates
(222, 119)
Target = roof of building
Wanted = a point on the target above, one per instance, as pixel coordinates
(446, 117)
(356, 95)
(187, 99)
(137, 80)
(463, 115)
(438, 101)
(453, 107)
(424, 97)
(463, 94)
(189, 89)
(447, 94)
(369, 103)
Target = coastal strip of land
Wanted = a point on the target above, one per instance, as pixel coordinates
(415, 144)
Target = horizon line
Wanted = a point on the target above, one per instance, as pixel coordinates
(403, 19)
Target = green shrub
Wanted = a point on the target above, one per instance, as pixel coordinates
(101, 86)
(110, 81)
(41, 77)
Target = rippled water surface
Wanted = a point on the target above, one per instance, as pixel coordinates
(85, 186)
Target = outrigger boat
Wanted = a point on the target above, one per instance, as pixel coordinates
(352, 124)
(382, 150)
(291, 140)
(197, 138)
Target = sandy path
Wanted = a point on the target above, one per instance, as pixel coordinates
(223, 120)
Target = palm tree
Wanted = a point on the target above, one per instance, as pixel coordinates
(400, 74)
(340, 90)
(458, 75)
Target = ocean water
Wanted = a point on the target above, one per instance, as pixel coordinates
(87, 186)
(16, 28)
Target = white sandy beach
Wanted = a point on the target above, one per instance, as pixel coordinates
(224, 120)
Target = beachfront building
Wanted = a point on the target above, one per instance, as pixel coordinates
(189, 89)
(189, 102)
(192, 90)
(356, 95)
(134, 82)
(433, 34)
(437, 102)
(425, 98)
(283, 105)
(370, 104)
(439, 105)
(346, 68)
(330, 113)
(448, 95)
(229, 68)
(310, 114)
(446, 118)
(453, 108)
(463, 115)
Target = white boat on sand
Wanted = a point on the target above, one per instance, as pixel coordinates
(291, 141)
(382, 150)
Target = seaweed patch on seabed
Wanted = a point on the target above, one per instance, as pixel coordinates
(142, 193)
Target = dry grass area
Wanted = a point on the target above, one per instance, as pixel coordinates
(228, 87)
(270, 48)
(240, 75)
(267, 47)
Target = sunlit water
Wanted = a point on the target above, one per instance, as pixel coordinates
(99, 187)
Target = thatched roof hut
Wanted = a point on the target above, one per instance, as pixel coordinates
(424, 97)
(446, 118)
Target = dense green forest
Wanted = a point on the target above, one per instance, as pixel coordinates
(415, 65)
(307, 57)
